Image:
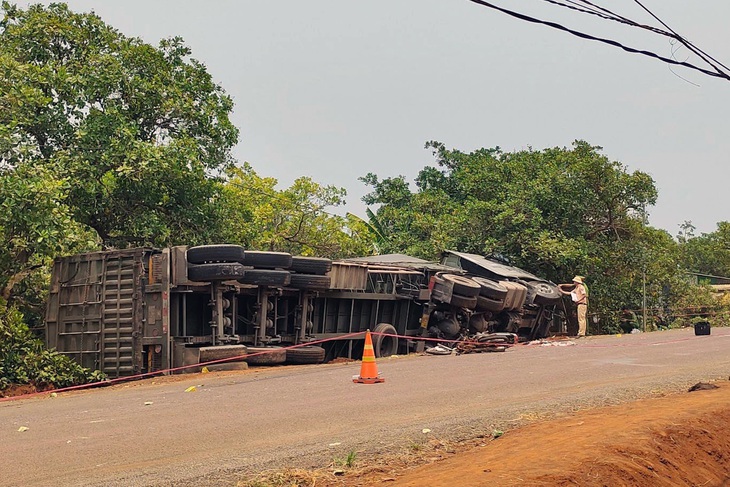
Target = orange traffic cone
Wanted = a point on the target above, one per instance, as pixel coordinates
(368, 369)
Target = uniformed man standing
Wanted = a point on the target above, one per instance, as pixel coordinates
(579, 295)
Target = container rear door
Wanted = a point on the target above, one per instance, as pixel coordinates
(73, 315)
(94, 313)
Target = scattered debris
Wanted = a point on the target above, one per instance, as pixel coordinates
(552, 343)
(341, 360)
(486, 342)
(23, 428)
(439, 350)
(148, 403)
(191, 389)
(204, 370)
(335, 444)
(497, 433)
(702, 386)
(425, 431)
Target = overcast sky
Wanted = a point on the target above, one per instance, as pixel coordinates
(334, 89)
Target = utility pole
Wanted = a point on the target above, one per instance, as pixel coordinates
(643, 305)
(644, 258)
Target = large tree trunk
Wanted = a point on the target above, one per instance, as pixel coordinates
(15, 279)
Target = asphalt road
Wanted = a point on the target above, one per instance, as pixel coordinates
(309, 415)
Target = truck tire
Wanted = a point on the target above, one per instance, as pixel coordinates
(272, 356)
(545, 292)
(308, 354)
(462, 285)
(490, 289)
(310, 265)
(385, 346)
(489, 304)
(267, 260)
(309, 281)
(203, 254)
(266, 277)
(468, 302)
(216, 272)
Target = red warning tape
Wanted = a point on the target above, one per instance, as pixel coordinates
(678, 340)
(108, 382)
(127, 378)
(360, 334)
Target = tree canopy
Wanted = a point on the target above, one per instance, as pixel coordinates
(35, 223)
(708, 253)
(527, 204)
(295, 219)
(107, 141)
(104, 140)
(557, 212)
(137, 132)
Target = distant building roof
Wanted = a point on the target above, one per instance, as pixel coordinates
(709, 279)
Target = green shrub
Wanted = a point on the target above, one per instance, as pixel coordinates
(699, 303)
(24, 359)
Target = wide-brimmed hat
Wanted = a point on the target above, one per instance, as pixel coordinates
(578, 279)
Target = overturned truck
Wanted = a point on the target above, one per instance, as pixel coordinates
(133, 311)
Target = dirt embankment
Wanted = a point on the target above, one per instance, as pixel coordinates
(677, 440)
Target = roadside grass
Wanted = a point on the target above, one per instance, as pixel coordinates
(287, 478)
(348, 461)
(354, 469)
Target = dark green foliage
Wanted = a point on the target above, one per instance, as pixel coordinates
(24, 360)
(708, 253)
(137, 133)
(556, 212)
(105, 141)
(295, 219)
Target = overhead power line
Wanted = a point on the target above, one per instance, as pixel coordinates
(668, 33)
(718, 69)
(686, 43)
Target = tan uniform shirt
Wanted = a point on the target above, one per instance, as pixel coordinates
(579, 295)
